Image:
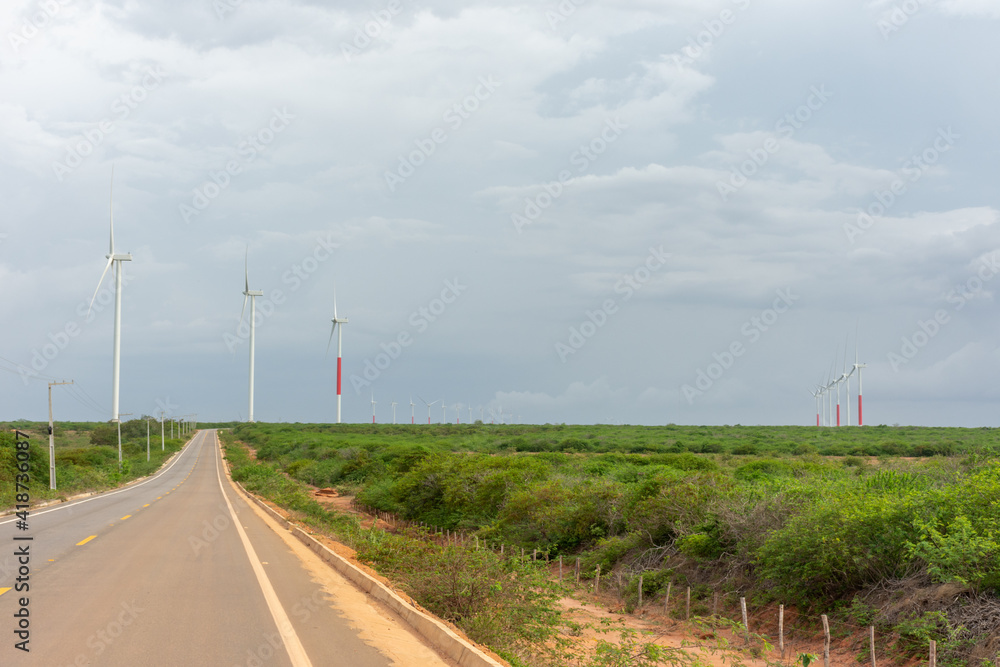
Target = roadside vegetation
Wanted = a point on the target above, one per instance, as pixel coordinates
(893, 527)
(86, 457)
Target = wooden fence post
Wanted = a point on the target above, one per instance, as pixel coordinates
(715, 603)
(826, 641)
(781, 630)
(597, 580)
(560, 568)
(933, 657)
(578, 570)
(746, 624)
(640, 593)
(871, 642)
(666, 600)
(687, 609)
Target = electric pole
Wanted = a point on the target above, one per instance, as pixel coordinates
(52, 438)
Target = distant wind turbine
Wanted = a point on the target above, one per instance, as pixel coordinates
(340, 362)
(394, 404)
(252, 295)
(444, 414)
(411, 411)
(858, 366)
(428, 409)
(373, 407)
(114, 257)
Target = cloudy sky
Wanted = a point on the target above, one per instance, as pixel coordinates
(640, 211)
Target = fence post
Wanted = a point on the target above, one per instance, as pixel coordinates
(597, 580)
(826, 641)
(578, 570)
(640, 593)
(687, 609)
(746, 624)
(666, 600)
(933, 657)
(781, 630)
(715, 603)
(871, 642)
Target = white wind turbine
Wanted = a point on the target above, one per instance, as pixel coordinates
(458, 413)
(340, 362)
(846, 377)
(252, 295)
(858, 367)
(444, 415)
(428, 409)
(394, 404)
(816, 394)
(412, 421)
(373, 407)
(114, 257)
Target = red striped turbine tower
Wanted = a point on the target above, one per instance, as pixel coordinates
(340, 362)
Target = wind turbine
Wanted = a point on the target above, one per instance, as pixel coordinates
(428, 409)
(336, 320)
(394, 404)
(458, 413)
(444, 416)
(373, 407)
(846, 377)
(112, 258)
(470, 412)
(816, 394)
(411, 410)
(858, 367)
(252, 295)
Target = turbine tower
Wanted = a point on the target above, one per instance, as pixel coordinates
(411, 411)
(428, 408)
(858, 367)
(394, 404)
(252, 295)
(336, 320)
(373, 407)
(113, 258)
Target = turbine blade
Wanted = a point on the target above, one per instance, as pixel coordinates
(101, 282)
(243, 310)
(334, 302)
(332, 329)
(246, 274)
(111, 209)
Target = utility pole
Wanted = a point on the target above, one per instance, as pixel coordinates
(163, 443)
(147, 439)
(52, 438)
(119, 422)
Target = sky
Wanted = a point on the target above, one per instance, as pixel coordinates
(630, 212)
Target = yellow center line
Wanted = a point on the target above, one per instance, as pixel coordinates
(80, 544)
(146, 505)
(159, 497)
(125, 517)
(3, 590)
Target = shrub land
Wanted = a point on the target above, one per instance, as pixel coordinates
(872, 525)
(86, 457)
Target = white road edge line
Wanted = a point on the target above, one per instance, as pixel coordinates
(296, 652)
(114, 493)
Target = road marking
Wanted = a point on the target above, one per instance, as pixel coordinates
(296, 652)
(80, 544)
(146, 505)
(3, 590)
(125, 517)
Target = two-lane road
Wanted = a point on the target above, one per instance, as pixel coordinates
(179, 570)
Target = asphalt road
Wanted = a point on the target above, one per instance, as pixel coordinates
(180, 570)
